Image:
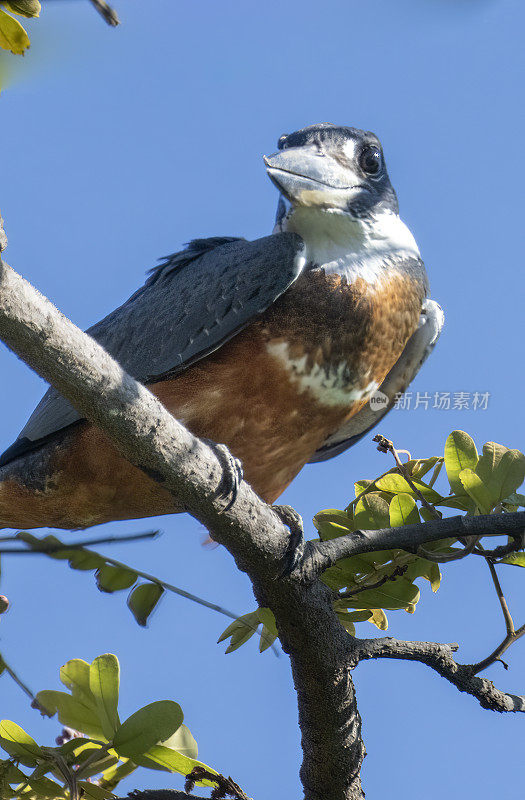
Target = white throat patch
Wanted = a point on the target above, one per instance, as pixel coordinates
(356, 248)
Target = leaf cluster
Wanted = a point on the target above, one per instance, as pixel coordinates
(102, 750)
(13, 36)
(369, 584)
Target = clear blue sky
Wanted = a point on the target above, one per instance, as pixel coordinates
(120, 145)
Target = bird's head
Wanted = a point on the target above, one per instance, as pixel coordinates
(334, 169)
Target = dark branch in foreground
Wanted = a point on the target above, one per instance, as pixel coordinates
(319, 556)
(439, 658)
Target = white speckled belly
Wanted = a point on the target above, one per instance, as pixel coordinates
(332, 387)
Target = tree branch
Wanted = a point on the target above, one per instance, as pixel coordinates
(318, 556)
(439, 658)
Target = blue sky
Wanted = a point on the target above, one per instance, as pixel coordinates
(120, 145)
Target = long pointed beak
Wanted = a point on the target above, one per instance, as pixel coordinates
(307, 177)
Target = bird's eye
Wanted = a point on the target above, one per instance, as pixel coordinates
(371, 161)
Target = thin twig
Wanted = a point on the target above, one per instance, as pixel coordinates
(398, 571)
(500, 649)
(509, 622)
(439, 658)
(387, 446)
(60, 547)
(437, 470)
(106, 12)
(514, 546)
(512, 634)
(20, 683)
(444, 558)
(56, 548)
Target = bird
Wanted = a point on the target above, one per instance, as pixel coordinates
(286, 350)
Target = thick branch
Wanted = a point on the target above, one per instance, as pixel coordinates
(319, 556)
(439, 658)
(148, 436)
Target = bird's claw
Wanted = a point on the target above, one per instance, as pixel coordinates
(232, 475)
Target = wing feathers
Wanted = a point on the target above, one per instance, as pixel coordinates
(190, 305)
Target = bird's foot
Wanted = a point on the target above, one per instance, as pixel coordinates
(294, 522)
(232, 475)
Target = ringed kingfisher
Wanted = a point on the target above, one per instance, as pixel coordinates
(287, 349)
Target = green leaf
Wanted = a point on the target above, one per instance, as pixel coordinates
(94, 792)
(183, 742)
(147, 727)
(46, 788)
(114, 579)
(396, 484)
(75, 675)
(419, 467)
(112, 776)
(72, 712)
(269, 629)
(239, 638)
(11, 773)
(394, 595)
(142, 601)
(501, 470)
(106, 761)
(347, 623)
(12, 35)
(160, 757)
(240, 630)
(460, 453)
(477, 490)
(19, 744)
(427, 514)
(515, 559)
(25, 8)
(360, 486)
(462, 501)
(332, 523)
(511, 472)
(84, 560)
(422, 568)
(104, 678)
(403, 511)
(354, 616)
(516, 499)
(379, 619)
(371, 512)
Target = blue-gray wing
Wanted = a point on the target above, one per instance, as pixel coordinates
(416, 351)
(191, 304)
